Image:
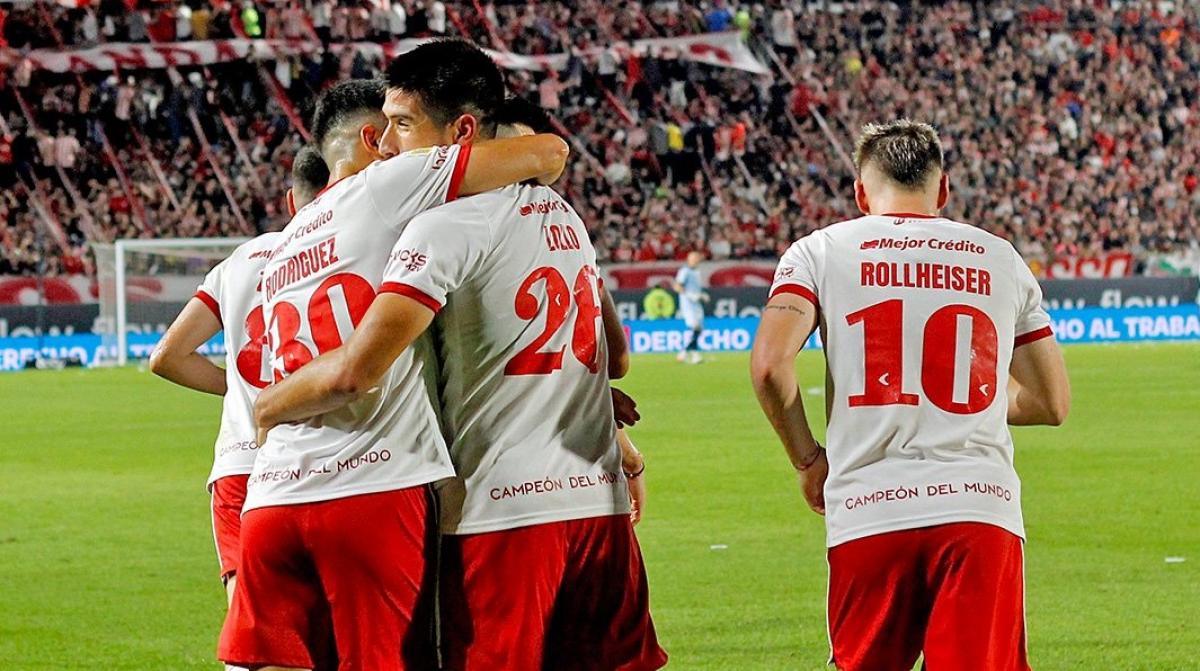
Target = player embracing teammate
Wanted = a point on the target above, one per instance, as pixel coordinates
(935, 341)
(336, 531)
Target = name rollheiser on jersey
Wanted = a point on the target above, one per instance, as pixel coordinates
(944, 276)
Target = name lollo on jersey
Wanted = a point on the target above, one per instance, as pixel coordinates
(524, 394)
(560, 237)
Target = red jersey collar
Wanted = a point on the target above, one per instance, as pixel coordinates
(910, 215)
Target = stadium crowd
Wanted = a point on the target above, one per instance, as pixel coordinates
(1071, 128)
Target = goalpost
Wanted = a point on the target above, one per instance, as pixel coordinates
(143, 284)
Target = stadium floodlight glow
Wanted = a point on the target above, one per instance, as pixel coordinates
(171, 265)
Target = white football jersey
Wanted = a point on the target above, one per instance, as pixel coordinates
(920, 316)
(321, 278)
(524, 376)
(230, 290)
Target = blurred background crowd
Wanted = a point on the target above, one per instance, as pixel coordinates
(1071, 128)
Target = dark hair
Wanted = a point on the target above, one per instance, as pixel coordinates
(343, 103)
(518, 110)
(310, 174)
(450, 78)
(907, 152)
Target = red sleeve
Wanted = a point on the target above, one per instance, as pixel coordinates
(412, 292)
(211, 303)
(801, 291)
(460, 170)
(1032, 336)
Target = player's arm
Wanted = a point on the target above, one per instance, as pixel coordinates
(614, 337)
(500, 162)
(786, 324)
(175, 357)
(337, 378)
(634, 466)
(1039, 391)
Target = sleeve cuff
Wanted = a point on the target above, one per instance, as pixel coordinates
(460, 170)
(1032, 336)
(211, 302)
(412, 292)
(801, 291)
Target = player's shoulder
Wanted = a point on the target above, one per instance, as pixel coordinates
(988, 241)
(257, 249)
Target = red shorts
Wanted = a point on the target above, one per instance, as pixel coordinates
(955, 592)
(567, 596)
(352, 570)
(228, 495)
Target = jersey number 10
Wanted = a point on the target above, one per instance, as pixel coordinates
(963, 393)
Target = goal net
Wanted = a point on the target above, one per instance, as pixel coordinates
(143, 284)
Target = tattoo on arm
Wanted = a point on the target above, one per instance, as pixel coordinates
(786, 308)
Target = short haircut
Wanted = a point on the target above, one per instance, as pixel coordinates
(450, 77)
(907, 152)
(518, 110)
(310, 174)
(344, 103)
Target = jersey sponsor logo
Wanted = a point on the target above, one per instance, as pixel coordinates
(933, 244)
(412, 259)
(544, 207)
(786, 271)
(560, 237)
(941, 276)
(317, 222)
(261, 254)
(300, 265)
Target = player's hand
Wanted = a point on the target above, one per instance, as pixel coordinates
(704, 297)
(812, 483)
(624, 409)
(637, 497)
(262, 435)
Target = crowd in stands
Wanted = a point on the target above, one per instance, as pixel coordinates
(1070, 128)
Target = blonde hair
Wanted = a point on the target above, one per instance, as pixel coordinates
(907, 152)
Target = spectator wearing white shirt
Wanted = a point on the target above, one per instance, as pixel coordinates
(398, 19)
(437, 17)
(66, 149)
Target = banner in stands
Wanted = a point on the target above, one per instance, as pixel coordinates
(1112, 264)
(720, 49)
(730, 334)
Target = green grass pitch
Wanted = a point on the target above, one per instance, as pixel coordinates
(106, 556)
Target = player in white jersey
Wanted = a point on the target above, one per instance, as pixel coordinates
(228, 300)
(336, 514)
(935, 341)
(541, 567)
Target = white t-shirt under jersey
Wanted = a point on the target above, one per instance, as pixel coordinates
(525, 390)
(317, 285)
(920, 318)
(230, 290)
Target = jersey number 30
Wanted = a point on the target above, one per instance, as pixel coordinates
(952, 333)
(532, 360)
